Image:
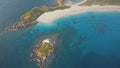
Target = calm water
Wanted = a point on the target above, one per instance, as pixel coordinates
(10, 11)
(12, 52)
(88, 40)
(15, 48)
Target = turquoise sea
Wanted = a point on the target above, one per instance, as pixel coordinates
(87, 40)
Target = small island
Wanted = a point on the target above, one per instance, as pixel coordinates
(43, 52)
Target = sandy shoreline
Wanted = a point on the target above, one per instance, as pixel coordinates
(75, 9)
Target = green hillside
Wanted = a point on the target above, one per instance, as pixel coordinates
(101, 2)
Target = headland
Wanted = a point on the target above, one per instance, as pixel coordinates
(48, 14)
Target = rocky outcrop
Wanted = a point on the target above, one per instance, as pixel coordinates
(43, 52)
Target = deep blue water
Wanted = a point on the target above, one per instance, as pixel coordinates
(10, 11)
(88, 40)
(12, 53)
(15, 47)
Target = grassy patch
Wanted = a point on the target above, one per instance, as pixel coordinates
(45, 49)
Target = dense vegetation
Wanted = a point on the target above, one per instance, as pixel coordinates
(29, 17)
(45, 50)
(101, 2)
(35, 12)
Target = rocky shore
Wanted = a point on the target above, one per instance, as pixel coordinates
(30, 18)
(17, 26)
(43, 52)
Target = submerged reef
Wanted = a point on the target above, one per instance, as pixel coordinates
(100, 27)
(45, 54)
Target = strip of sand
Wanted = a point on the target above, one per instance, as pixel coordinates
(75, 9)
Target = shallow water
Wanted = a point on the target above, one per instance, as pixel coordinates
(11, 11)
(88, 40)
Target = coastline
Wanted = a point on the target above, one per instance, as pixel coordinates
(43, 52)
(75, 9)
(46, 14)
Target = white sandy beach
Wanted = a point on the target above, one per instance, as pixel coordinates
(75, 9)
